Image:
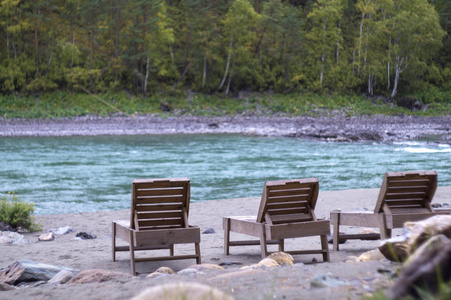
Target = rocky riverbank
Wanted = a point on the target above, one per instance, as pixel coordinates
(335, 128)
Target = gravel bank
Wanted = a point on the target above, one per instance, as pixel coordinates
(337, 128)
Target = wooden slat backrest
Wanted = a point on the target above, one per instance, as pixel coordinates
(288, 201)
(160, 203)
(403, 192)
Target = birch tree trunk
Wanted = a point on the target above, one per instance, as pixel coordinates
(398, 65)
(230, 78)
(204, 76)
(360, 43)
(388, 64)
(227, 65)
(323, 57)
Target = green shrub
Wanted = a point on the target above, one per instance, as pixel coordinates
(17, 214)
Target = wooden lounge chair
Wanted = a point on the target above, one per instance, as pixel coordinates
(159, 220)
(286, 211)
(404, 196)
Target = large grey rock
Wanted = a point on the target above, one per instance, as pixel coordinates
(415, 234)
(11, 238)
(425, 271)
(28, 271)
(183, 291)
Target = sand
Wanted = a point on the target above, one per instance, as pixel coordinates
(278, 283)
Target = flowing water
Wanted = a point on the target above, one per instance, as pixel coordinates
(81, 174)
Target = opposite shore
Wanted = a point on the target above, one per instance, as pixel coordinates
(338, 128)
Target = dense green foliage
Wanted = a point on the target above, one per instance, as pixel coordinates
(222, 47)
(17, 214)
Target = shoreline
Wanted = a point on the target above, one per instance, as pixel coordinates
(338, 128)
(358, 278)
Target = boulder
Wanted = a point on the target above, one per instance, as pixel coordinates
(62, 276)
(395, 249)
(282, 258)
(46, 237)
(6, 287)
(161, 271)
(28, 271)
(85, 235)
(415, 234)
(425, 271)
(10, 237)
(5, 227)
(96, 275)
(61, 230)
(182, 290)
(268, 263)
(409, 103)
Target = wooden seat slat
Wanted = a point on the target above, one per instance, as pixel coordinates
(279, 219)
(391, 203)
(303, 197)
(409, 210)
(287, 205)
(288, 192)
(396, 196)
(159, 215)
(159, 222)
(158, 207)
(166, 199)
(160, 192)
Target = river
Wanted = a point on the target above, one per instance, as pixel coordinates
(92, 173)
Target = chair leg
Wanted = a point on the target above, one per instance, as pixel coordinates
(281, 245)
(113, 238)
(325, 247)
(226, 226)
(335, 219)
(263, 244)
(132, 253)
(198, 259)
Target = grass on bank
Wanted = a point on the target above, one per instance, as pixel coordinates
(61, 104)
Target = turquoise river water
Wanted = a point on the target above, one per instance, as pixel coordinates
(81, 174)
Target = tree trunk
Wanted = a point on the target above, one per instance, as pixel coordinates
(36, 35)
(323, 57)
(338, 40)
(230, 79)
(388, 64)
(147, 74)
(360, 43)
(227, 65)
(183, 75)
(398, 65)
(204, 75)
(90, 62)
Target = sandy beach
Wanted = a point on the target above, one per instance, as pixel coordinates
(288, 282)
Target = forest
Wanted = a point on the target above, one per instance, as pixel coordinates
(222, 47)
